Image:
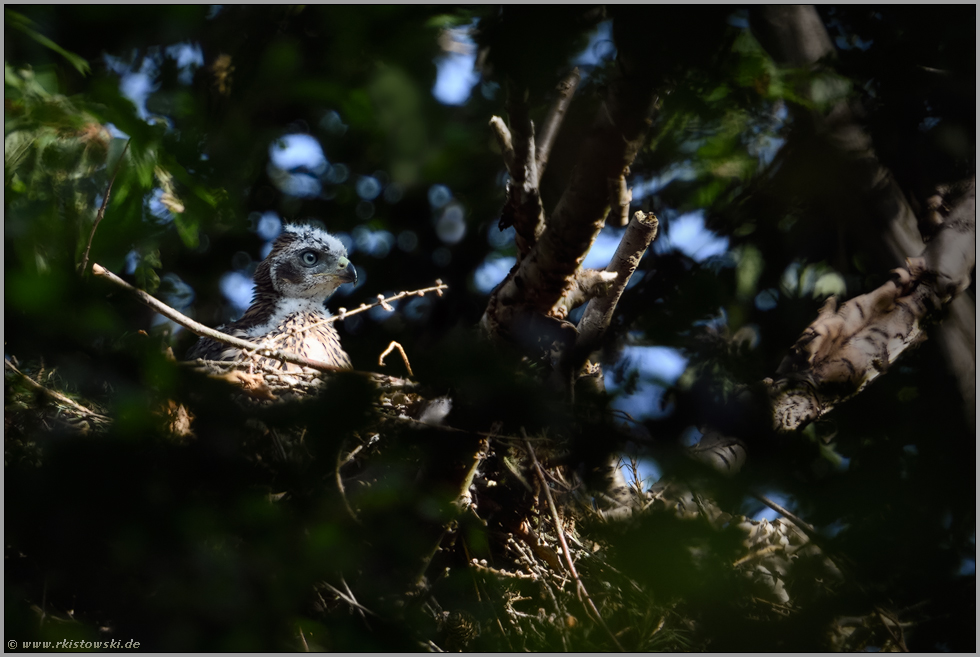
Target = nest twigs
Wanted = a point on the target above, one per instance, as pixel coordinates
(580, 587)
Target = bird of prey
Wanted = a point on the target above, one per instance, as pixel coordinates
(306, 265)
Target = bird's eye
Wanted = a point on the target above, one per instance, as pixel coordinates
(309, 258)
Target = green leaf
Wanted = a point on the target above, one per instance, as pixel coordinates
(187, 228)
(24, 24)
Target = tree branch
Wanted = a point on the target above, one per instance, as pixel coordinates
(251, 347)
(796, 37)
(566, 89)
(620, 197)
(540, 279)
(105, 203)
(55, 395)
(844, 349)
(523, 209)
(502, 133)
(640, 233)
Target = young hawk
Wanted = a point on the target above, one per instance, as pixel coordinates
(287, 313)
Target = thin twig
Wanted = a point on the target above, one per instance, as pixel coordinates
(566, 89)
(202, 330)
(260, 349)
(394, 345)
(343, 596)
(340, 486)
(306, 647)
(384, 302)
(105, 203)
(354, 452)
(450, 429)
(898, 638)
(351, 594)
(57, 396)
(806, 527)
(564, 544)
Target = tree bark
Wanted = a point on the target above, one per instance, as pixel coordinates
(795, 37)
(544, 275)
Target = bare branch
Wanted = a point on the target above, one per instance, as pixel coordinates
(502, 133)
(542, 276)
(523, 209)
(642, 230)
(620, 197)
(384, 302)
(105, 203)
(55, 395)
(587, 284)
(349, 599)
(260, 349)
(394, 345)
(844, 349)
(566, 89)
(202, 330)
(804, 526)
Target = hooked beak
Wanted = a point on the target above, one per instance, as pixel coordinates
(347, 273)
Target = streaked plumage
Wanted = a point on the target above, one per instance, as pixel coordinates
(306, 265)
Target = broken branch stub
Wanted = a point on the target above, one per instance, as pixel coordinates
(543, 275)
(640, 233)
(523, 209)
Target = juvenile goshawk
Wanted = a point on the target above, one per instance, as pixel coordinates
(306, 265)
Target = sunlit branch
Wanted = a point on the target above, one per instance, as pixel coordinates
(846, 348)
(523, 209)
(642, 230)
(502, 133)
(259, 349)
(541, 277)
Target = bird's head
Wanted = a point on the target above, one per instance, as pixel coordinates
(305, 263)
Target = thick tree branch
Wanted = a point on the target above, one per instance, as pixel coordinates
(796, 37)
(846, 348)
(541, 278)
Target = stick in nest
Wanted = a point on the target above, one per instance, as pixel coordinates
(590, 605)
(394, 345)
(55, 395)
